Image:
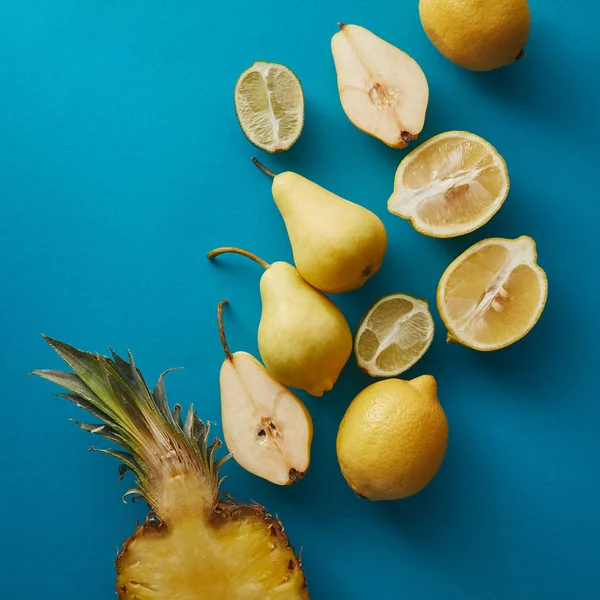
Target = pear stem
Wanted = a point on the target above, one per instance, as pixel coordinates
(222, 330)
(226, 249)
(263, 168)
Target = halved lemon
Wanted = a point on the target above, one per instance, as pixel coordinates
(269, 103)
(493, 293)
(451, 185)
(393, 335)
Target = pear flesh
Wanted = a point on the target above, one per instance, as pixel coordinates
(266, 427)
(383, 90)
(303, 337)
(338, 245)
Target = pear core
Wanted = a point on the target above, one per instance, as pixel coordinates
(382, 89)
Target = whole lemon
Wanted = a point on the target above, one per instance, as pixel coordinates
(393, 438)
(480, 35)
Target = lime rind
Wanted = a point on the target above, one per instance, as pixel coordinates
(269, 104)
(402, 338)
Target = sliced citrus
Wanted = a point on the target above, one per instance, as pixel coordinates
(450, 185)
(393, 335)
(493, 293)
(269, 103)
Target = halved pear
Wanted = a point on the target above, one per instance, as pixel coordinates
(266, 427)
(383, 90)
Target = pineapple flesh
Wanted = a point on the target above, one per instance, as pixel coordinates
(196, 544)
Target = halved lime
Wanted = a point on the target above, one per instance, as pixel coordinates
(269, 103)
(393, 335)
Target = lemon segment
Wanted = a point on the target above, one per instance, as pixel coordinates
(393, 335)
(493, 294)
(269, 103)
(450, 185)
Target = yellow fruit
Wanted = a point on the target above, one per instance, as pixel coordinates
(383, 90)
(479, 35)
(196, 543)
(493, 293)
(450, 185)
(393, 438)
(337, 244)
(303, 338)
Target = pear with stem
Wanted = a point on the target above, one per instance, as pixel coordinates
(337, 244)
(303, 337)
(266, 427)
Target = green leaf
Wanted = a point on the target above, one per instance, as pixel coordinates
(73, 383)
(176, 414)
(89, 407)
(160, 397)
(100, 429)
(189, 422)
(126, 458)
(87, 366)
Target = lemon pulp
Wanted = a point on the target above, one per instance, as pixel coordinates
(493, 294)
(450, 185)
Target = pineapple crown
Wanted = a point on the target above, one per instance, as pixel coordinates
(158, 444)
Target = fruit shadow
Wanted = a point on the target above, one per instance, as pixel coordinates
(508, 222)
(444, 524)
(428, 519)
(536, 364)
(530, 85)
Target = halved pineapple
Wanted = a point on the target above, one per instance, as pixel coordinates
(196, 544)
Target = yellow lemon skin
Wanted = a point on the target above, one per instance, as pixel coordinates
(479, 35)
(392, 439)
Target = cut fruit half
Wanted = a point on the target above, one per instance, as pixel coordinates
(269, 103)
(393, 335)
(266, 427)
(382, 89)
(493, 293)
(451, 185)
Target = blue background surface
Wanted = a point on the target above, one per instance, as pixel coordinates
(122, 163)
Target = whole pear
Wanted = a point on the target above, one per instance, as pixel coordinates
(303, 337)
(337, 244)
